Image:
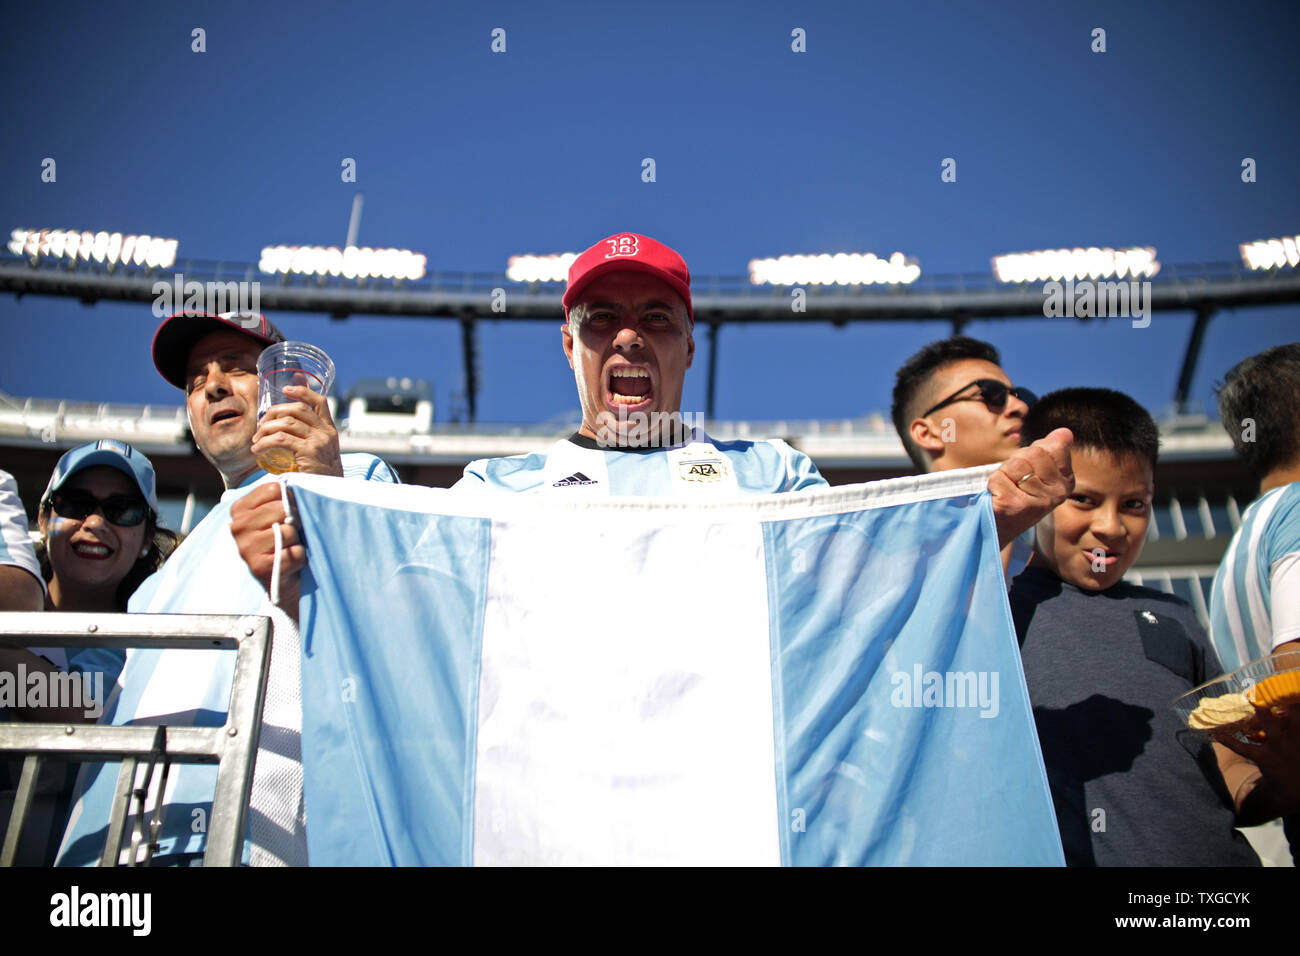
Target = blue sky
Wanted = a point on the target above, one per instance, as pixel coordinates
(470, 157)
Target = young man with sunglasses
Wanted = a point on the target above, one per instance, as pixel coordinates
(954, 407)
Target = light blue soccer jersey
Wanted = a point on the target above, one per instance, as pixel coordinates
(701, 467)
(190, 688)
(1255, 603)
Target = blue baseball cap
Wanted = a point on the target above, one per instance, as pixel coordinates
(114, 454)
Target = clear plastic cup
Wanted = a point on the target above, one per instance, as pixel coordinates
(288, 363)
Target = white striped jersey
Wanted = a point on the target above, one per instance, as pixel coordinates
(15, 545)
(702, 467)
(1255, 604)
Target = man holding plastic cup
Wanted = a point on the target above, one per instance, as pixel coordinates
(214, 360)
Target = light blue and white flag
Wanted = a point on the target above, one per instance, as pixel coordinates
(824, 677)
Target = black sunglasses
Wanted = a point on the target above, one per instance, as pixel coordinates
(992, 393)
(121, 510)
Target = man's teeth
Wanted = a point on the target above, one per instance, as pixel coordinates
(619, 397)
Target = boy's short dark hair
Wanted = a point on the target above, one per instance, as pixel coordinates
(1258, 403)
(915, 373)
(1100, 418)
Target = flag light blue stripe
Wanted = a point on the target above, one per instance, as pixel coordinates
(396, 607)
(1021, 698)
(471, 723)
(863, 597)
(784, 821)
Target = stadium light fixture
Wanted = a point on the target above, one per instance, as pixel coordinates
(110, 248)
(1271, 253)
(540, 268)
(1092, 263)
(842, 268)
(349, 263)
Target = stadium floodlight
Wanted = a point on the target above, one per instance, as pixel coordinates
(1271, 253)
(842, 268)
(349, 263)
(111, 248)
(540, 268)
(1092, 263)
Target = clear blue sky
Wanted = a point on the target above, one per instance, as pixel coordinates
(470, 157)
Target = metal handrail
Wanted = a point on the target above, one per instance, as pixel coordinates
(233, 746)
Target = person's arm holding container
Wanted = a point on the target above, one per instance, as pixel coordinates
(295, 433)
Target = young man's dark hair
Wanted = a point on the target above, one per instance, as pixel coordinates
(1257, 406)
(1101, 419)
(915, 373)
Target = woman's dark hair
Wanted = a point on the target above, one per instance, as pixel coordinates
(162, 542)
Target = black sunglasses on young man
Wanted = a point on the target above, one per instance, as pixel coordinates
(121, 510)
(991, 392)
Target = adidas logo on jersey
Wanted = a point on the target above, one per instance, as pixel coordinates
(577, 478)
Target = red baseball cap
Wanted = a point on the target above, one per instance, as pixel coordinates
(180, 332)
(629, 252)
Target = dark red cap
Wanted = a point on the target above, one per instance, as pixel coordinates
(179, 333)
(629, 252)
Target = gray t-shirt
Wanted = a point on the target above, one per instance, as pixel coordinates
(1131, 786)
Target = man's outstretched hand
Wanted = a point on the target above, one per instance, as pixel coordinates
(1031, 483)
(251, 519)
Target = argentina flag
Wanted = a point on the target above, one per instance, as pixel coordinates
(817, 678)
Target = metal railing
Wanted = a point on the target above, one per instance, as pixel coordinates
(148, 750)
(718, 298)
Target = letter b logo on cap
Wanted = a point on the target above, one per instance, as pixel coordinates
(622, 246)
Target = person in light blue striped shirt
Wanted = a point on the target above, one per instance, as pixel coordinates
(1255, 601)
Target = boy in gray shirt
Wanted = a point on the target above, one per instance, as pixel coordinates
(1103, 659)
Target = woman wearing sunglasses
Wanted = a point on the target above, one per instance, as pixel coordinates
(99, 528)
(99, 540)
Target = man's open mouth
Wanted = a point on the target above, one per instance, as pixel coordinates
(630, 386)
(223, 415)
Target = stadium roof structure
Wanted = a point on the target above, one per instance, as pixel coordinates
(468, 297)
